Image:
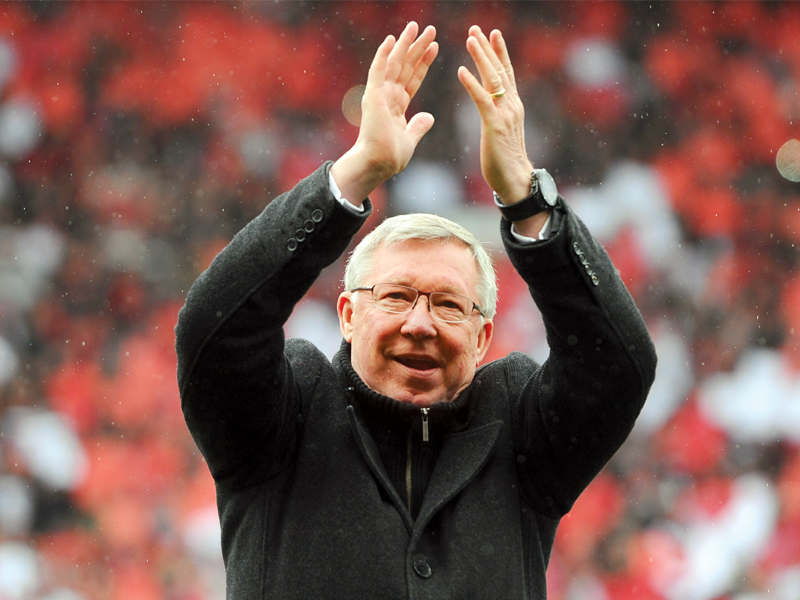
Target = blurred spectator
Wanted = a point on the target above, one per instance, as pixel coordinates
(137, 138)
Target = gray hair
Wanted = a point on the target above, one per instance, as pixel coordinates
(421, 226)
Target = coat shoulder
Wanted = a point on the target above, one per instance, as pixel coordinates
(306, 360)
(512, 371)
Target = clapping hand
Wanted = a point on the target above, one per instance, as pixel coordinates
(504, 161)
(386, 140)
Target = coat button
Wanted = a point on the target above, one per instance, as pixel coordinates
(300, 235)
(291, 244)
(317, 215)
(422, 569)
(308, 225)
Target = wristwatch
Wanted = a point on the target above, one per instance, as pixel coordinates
(543, 196)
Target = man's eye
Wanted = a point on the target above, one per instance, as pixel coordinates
(450, 304)
(396, 296)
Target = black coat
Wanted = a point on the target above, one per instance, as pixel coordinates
(306, 507)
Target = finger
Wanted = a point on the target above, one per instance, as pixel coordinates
(499, 70)
(415, 52)
(377, 70)
(499, 45)
(421, 70)
(394, 64)
(491, 81)
(483, 101)
(492, 72)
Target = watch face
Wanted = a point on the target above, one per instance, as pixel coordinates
(547, 186)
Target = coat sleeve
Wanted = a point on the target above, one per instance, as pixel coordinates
(238, 392)
(571, 414)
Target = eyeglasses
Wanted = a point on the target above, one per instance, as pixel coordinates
(401, 299)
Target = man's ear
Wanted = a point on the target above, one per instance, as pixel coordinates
(344, 308)
(484, 340)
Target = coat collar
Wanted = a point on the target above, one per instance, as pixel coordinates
(465, 448)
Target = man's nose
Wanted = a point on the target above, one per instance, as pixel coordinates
(419, 321)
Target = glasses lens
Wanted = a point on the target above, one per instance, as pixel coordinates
(450, 307)
(394, 298)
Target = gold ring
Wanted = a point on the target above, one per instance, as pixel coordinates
(499, 94)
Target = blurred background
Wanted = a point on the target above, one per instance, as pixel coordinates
(137, 138)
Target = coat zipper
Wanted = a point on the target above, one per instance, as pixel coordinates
(425, 438)
(408, 471)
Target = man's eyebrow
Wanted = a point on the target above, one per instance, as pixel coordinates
(449, 290)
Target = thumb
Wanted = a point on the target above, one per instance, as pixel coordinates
(418, 126)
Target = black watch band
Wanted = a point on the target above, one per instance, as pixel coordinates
(532, 204)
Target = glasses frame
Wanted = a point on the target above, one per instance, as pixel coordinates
(475, 306)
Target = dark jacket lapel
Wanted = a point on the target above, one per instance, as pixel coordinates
(372, 457)
(462, 457)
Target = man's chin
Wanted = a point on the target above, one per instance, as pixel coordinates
(423, 399)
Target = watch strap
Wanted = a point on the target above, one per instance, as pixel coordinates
(530, 205)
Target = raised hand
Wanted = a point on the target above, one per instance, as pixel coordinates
(386, 140)
(504, 161)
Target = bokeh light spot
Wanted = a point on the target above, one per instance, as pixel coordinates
(351, 105)
(788, 160)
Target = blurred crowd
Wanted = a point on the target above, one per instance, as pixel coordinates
(137, 138)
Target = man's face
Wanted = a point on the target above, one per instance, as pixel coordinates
(413, 357)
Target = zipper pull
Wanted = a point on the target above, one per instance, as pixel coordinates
(425, 433)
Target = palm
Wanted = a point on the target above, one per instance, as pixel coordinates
(386, 141)
(394, 78)
(384, 127)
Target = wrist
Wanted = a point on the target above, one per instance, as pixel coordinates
(542, 196)
(515, 187)
(355, 177)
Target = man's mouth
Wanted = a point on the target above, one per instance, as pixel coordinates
(418, 363)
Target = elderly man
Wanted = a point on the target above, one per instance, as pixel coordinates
(403, 469)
